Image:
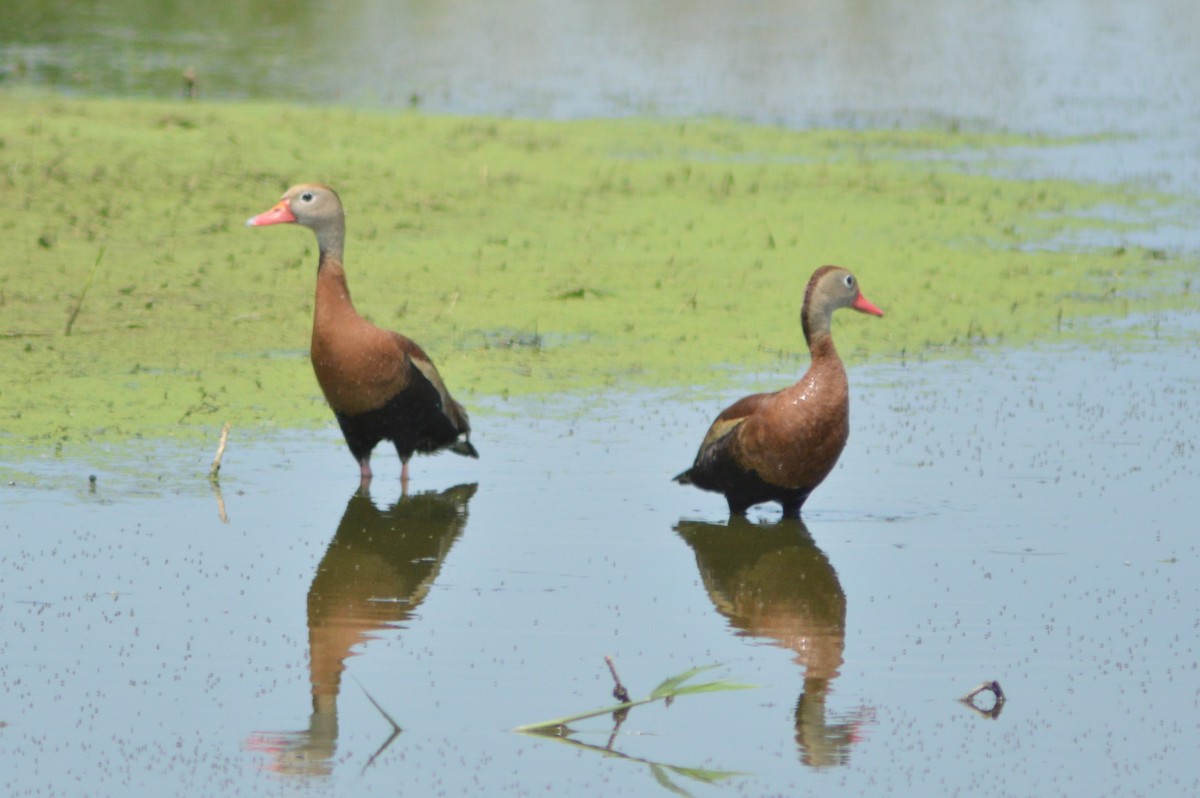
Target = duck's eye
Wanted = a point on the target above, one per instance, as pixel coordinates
(849, 280)
(307, 196)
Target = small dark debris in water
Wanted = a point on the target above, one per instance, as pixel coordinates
(621, 694)
(992, 687)
(91, 483)
(619, 691)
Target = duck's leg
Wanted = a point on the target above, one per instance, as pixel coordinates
(792, 504)
(404, 477)
(364, 472)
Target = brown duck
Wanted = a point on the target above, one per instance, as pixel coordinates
(779, 446)
(380, 385)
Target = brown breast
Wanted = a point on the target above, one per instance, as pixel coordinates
(358, 369)
(358, 365)
(795, 438)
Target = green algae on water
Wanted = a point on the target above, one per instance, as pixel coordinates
(525, 256)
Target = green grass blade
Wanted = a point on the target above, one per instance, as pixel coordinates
(669, 688)
(563, 721)
(660, 775)
(702, 774)
(710, 687)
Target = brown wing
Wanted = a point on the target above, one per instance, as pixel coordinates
(729, 418)
(715, 446)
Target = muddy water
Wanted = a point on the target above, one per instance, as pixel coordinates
(1024, 517)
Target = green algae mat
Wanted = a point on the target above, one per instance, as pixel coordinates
(525, 256)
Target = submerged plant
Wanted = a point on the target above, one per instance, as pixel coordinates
(667, 691)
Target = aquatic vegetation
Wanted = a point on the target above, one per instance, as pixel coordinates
(526, 256)
(667, 690)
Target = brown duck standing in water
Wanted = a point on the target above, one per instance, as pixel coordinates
(779, 446)
(380, 385)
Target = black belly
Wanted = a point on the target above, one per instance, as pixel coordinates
(412, 419)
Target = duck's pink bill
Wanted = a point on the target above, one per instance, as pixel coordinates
(281, 213)
(866, 306)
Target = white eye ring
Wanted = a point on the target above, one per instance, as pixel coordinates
(849, 280)
(307, 196)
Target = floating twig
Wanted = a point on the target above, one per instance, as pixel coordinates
(213, 473)
(621, 694)
(216, 486)
(395, 727)
(619, 691)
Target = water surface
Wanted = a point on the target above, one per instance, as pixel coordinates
(1022, 517)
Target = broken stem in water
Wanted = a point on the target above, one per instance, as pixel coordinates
(619, 691)
(216, 464)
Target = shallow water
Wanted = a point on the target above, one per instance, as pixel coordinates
(1059, 67)
(1023, 516)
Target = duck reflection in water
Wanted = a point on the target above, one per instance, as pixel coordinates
(771, 581)
(378, 569)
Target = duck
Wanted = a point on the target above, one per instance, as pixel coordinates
(778, 447)
(379, 384)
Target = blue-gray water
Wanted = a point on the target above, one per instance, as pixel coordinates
(1026, 517)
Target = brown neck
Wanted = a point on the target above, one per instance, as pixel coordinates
(333, 292)
(815, 321)
(821, 346)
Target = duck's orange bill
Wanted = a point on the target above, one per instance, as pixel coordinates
(281, 213)
(866, 306)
